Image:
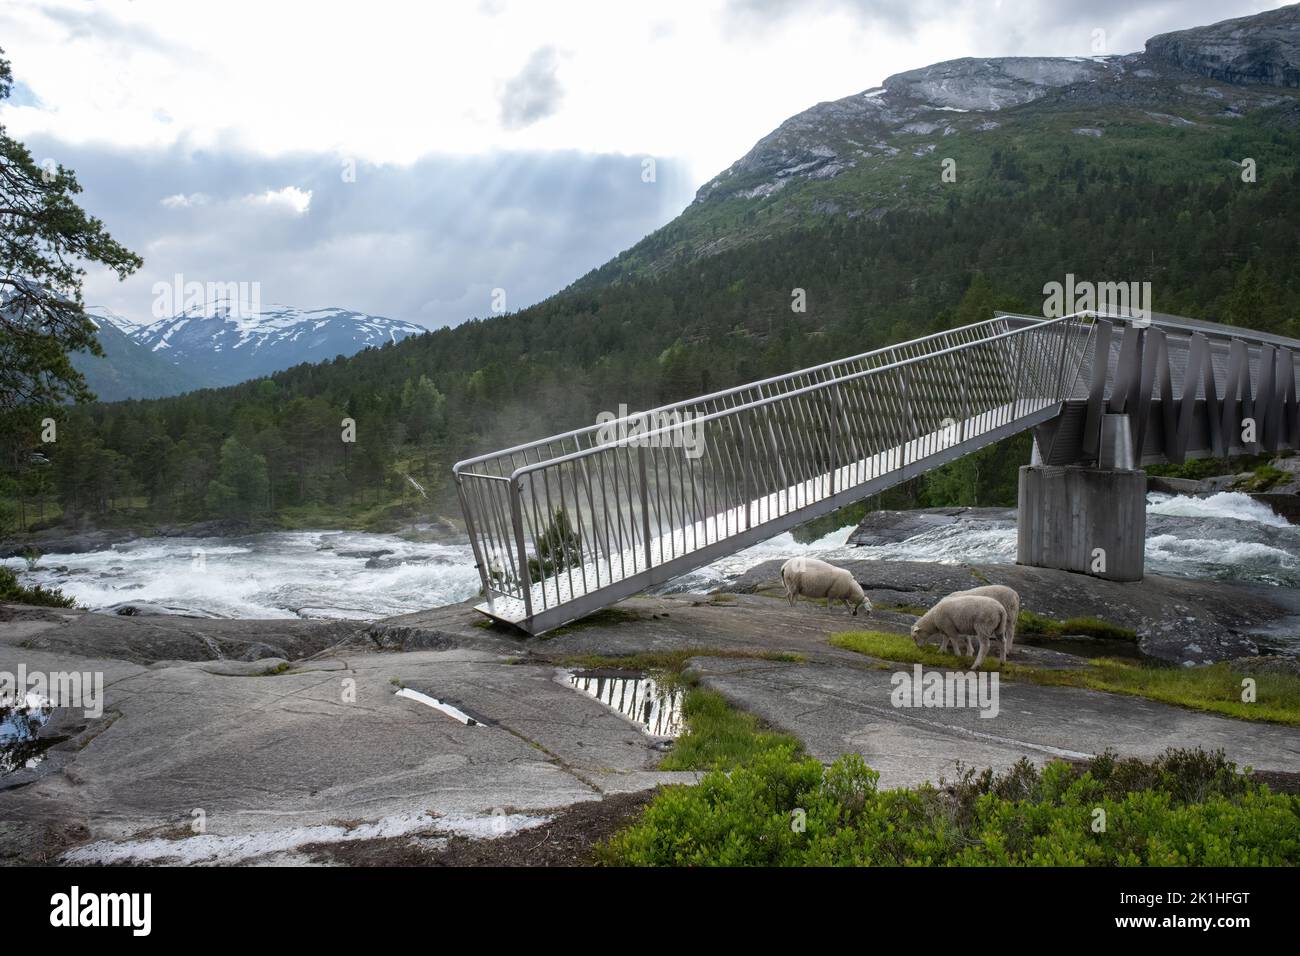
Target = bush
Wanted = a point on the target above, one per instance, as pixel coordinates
(1186, 808)
(11, 590)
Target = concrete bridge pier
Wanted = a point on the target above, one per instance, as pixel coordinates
(1083, 518)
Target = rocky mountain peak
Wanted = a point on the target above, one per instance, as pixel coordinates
(1264, 48)
(995, 83)
(912, 111)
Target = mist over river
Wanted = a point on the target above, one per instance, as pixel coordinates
(333, 574)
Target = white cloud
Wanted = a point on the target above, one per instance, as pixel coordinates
(184, 201)
(290, 197)
(391, 81)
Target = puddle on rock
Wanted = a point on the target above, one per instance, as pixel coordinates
(21, 745)
(652, 706)
(1088, 647)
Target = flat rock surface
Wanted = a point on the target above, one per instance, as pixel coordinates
(840, 710)
(148, 638)
(284, 752)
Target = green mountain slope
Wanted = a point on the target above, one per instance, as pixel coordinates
(127, 369)
(1175, 110)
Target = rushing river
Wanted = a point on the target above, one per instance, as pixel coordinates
(355, 575)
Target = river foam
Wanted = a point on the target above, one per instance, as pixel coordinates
(352, 575)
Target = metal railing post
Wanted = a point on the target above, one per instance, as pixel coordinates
(835, 431)
(473, 541)
(517, 520)
(744, 474)
(965, 396)
(645, 506)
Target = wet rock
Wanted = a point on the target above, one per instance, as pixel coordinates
(399, 637)
(148, 638)
(891, 527)
(1284, 504)
(62, 541)
(1173, 486)
(1267, 664)
(217, 528)
(358, 553)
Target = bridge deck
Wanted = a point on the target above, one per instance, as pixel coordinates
(699, 538)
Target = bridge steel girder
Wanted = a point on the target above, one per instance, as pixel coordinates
(1172, 423)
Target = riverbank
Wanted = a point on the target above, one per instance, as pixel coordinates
(290, 740)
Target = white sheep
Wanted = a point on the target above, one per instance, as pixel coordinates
(817, 579)
(1010, 602)
(960, 614)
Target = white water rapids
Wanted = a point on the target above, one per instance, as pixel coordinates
(332, 574)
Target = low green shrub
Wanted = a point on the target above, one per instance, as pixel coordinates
(11, 590)
(1187, 808)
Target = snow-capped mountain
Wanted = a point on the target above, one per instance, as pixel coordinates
(126, 369)
(220, 345)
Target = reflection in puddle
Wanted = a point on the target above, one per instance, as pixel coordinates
(1089, 646)
(20, 746)
(657, 709)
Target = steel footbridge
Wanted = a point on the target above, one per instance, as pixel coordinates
(568, 524)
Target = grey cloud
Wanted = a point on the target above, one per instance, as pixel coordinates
(534, 92)
(96, 22)
(759, 16)
(1015, 27)
(427, 242)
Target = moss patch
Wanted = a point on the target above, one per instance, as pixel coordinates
(607, 617)
(1030, 624)
(670, 666)
(1215, 688)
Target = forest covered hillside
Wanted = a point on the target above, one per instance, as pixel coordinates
(1120, 177)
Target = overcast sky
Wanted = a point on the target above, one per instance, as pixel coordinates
(406, 159)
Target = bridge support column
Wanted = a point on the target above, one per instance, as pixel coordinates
(1089, 520)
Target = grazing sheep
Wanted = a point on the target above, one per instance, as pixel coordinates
(817, 579)
(1009, 600)
(960, 614)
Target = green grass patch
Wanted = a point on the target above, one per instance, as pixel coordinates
(1265, 477)
(901, 648)
(1198, 469)
(914, 609)
(606, 617)
(1187, 808)
(12, 591)
(721, 737)
(1030, 624)
(670, 666)
(1215, 688)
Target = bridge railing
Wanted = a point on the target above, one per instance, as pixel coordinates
(632, 501)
